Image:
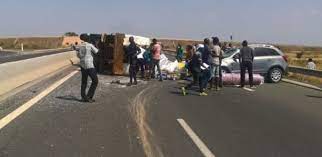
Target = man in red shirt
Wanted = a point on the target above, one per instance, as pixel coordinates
(156, 56)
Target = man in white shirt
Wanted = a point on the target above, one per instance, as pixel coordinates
(85, 54)
(216, 54)
(310, 64)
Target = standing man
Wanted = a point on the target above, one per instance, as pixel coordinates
(132, 51)
(246, 62)
(85, 54)
(207, 59)
(147, 55)
(156, 56)
(179, 56)
(216, 55)
(141, 63)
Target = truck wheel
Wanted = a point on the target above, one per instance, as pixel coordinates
(275, 75)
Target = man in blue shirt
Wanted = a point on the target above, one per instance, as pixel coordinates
(132, 51)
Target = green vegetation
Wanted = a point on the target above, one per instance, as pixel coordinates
(70, 34)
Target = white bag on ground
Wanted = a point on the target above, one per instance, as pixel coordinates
(171, 67)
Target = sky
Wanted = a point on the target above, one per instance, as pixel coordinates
(266, 21)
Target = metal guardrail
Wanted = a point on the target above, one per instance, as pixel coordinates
(305, 71)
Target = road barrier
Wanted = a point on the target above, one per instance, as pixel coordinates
(305, 71)
(15, 74)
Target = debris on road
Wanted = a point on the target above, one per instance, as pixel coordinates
(171, 70)
(234, 79)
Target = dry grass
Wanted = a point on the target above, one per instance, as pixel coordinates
(32, 43)
(171, 44)
(317, 81)
(302, 61)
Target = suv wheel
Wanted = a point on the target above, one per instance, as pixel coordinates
(275, 75)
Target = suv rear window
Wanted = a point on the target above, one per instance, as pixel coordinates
(265, 52)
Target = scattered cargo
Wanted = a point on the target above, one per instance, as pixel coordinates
(234, 79)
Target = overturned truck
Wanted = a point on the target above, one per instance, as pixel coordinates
(111, 58)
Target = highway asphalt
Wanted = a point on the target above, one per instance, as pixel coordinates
(6, 56)
(276, 120)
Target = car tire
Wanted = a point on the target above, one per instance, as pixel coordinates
(275, 75)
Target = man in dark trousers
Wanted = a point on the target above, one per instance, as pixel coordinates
(207, 59)
(132, 51)
(195, 65)
(246, 62)
(85, 54)
(156, 57)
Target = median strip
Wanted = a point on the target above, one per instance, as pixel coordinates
(302, 84)
(13, 115)
(248, 89)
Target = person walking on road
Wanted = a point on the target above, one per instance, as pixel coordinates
(195, 65)
(132, 51)
(216, 55)
(156, 56)
(85, 54)
(246, 63)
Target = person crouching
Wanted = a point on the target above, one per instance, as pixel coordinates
(195, 68)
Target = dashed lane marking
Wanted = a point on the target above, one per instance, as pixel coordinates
(13, 115)
(201, 145)
(248, 89)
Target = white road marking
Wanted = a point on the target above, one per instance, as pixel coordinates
(202, 147)
(13, 115)
(248, 89)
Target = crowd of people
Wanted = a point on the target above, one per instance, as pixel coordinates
(147, 63)
(203, 61)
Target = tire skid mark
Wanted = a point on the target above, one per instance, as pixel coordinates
(138, 109)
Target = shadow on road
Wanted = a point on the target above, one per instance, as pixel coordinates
(189, 92)
(314, 96)
(69, 98)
